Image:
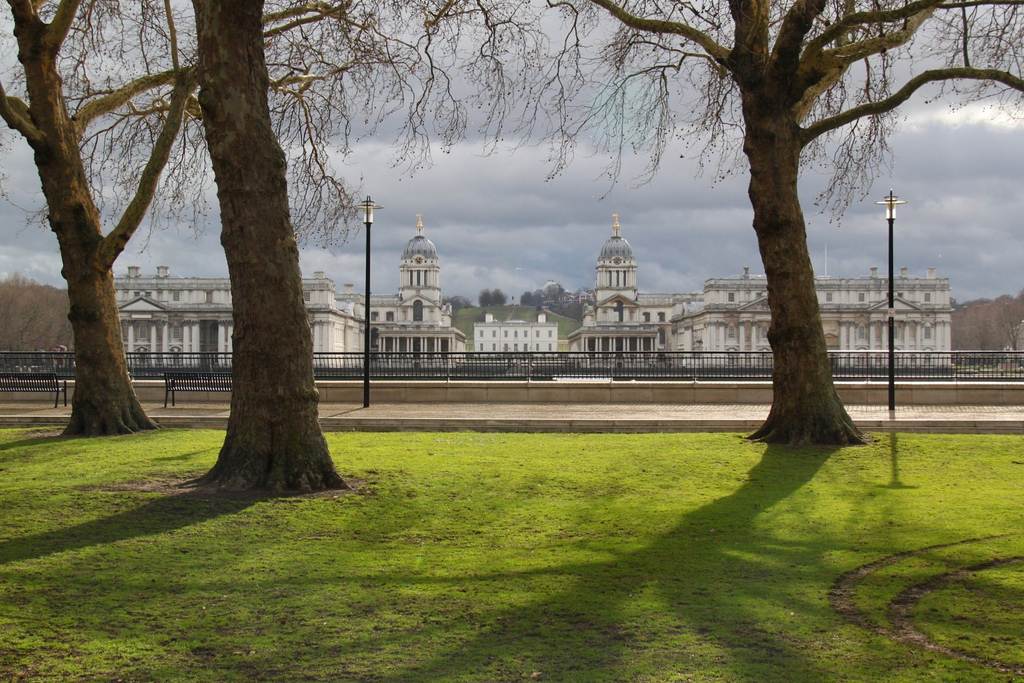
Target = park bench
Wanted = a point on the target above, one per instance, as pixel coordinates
(195, 381)
(34, 381)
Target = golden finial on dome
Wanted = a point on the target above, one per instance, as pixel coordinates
(615, 228)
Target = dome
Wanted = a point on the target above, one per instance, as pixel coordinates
(419, 246)
(616, 247)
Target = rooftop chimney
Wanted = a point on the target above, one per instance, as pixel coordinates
(162, 271)
(874, 271)
(349, 287)
(903, 271)
(133, 271)
(319, 275)
(931, 273)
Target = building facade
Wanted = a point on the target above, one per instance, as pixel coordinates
(854, 314)
(415, 319)
(732, 314)
(170, 314)
(494, 336)
(618, 317)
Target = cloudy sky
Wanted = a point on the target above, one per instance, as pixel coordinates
(497, 222)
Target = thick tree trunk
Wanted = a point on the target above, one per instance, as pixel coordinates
(104, 401)
(274, 439)
(805, 406)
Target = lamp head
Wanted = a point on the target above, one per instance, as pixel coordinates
(890, 203)
(368, 206)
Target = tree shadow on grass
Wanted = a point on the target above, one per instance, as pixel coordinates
(710, 575)
(185, 507)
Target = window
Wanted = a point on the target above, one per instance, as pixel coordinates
(928, 333)
(661, 337)
(732, 297)
(862, 333)
(538, 334)
(619, 311)
(661, 317)
(647, 317)
(860, 297)
(142, 332)
(209, 297)
(149, 293)
(515, 333)
(731, 333)
(389, 316)
(927, 297)
(137, 293)
(506, 336)
(307, 296)
(549, 334)
(549, 347)
(374, 316)
(176, 296)
(828, 297)
(417, 311)
(176, 332)
(494, 333)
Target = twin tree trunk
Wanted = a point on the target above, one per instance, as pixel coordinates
(805, 406)
(104, 402)
(273, 439)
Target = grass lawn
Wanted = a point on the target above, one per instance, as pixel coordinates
(518, 557)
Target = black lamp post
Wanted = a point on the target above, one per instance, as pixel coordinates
(890, 203)
(368, 207)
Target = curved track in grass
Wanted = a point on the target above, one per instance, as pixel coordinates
(900, 612)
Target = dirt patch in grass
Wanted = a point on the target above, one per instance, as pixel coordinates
(900, 610)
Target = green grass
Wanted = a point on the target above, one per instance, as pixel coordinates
(507, 557)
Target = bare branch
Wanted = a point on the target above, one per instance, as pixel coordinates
(101, 106)
(61, 24)
(660, 26)
(14, 112)
(906, 92)
(114, 243)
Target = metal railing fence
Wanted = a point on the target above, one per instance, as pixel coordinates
(952, 366)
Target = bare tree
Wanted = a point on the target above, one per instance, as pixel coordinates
(274, 439)
(51, 41)
(988, 325)
(790, 82)
(35, 316)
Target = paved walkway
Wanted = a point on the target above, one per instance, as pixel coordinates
(557, 417)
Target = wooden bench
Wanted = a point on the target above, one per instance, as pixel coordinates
(195, 381)
(34, 381)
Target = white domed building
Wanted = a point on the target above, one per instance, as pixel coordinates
(415, 320)
(619, 317)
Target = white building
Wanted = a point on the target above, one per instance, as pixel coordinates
(166, 313)
(415, 320)
(731, 314)
(854, 313)
(619, 317)
(493, 336)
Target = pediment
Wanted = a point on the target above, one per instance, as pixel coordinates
(142, 304)
(898, 304)
(616, 298)
(759, 304)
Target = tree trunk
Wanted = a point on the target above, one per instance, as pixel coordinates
(104, 401)
(273, 439)
(805, 406)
